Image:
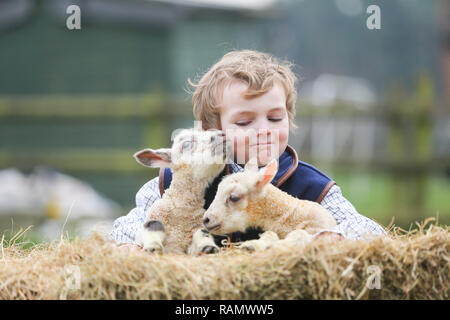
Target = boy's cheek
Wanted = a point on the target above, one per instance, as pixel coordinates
(283, 134)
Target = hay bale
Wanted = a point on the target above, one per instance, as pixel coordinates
(413, 265)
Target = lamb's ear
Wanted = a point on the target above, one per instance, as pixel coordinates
(160, 158)
(266, 174)
(251, 165)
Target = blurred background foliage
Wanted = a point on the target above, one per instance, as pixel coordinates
(373, 110)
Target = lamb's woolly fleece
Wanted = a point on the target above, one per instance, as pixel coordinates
(180, 209)
(280, 212)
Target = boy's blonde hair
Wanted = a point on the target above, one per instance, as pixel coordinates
(259, 70)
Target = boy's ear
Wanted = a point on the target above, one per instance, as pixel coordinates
(251, 165)
(266, 174)
(160, 158)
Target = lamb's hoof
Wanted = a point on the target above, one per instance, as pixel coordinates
(249, 248)
(210, 249)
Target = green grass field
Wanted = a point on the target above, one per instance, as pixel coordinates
(374, 195)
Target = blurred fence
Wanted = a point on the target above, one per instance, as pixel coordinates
(90, 137)
(411, 149)
(94, 137)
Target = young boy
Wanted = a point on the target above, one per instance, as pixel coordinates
(252, 92)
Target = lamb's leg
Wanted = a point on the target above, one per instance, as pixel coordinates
(265, 241)
(153, 235)
(202, 242)
(297, 237)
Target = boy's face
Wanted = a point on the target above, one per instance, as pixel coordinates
(258, 126)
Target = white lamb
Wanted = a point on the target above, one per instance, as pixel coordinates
(248, 199)
(174, 222)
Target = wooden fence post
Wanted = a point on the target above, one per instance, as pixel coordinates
(409, 151)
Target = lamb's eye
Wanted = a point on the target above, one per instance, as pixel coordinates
(234, 198)
(186, 144)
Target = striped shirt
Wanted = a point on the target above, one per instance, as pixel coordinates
(349, 222)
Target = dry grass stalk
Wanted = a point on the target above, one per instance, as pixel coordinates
(414, 265)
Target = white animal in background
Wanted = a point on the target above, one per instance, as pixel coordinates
(17, 196)
(53, 202)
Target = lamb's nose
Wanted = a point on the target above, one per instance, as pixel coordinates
(205, 221)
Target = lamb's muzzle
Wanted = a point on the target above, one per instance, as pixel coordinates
(210, 226)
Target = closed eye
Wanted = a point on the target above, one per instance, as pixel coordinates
(187, 144)
(233, 198)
